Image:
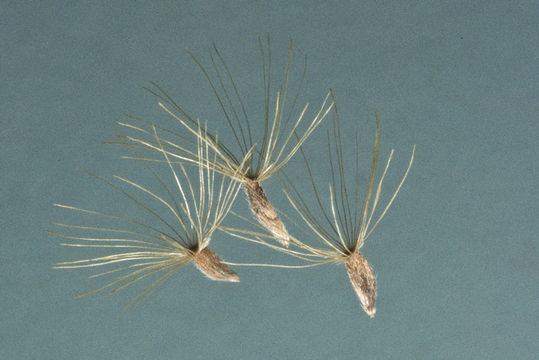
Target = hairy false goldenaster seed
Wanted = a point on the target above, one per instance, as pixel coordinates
(363, 280)
(265, 212)
(211, 265)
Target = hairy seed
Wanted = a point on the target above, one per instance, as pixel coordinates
(211, 265)
(265, 213)
(362, 279)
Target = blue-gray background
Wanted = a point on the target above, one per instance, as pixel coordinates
(456, 257)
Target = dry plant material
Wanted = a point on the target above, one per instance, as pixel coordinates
(345, 223)
(142, 249)
(248, 159)
(265, 213)
(363, 280)
(211, 265)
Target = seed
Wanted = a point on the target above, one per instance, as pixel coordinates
(265, 213)
(210, 264)
(363, 280)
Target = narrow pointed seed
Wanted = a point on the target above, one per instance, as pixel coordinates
(265, 213)
(363, 280)
(211, 265)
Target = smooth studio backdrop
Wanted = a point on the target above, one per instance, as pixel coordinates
(455, 257)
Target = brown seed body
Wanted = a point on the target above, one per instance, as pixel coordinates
(211, 265)
(363, 280)
(265, 213)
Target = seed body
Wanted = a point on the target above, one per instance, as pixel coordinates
(363, 280)
(210, 264)
(265, 213)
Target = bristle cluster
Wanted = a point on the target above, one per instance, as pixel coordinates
(185, 213)
(363, 280)
(265, 213)
(211, 265)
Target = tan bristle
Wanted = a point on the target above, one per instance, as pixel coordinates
(363, 280)
(265, 213)
(211, 265)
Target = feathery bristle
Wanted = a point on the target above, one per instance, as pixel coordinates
(363, 280)
(265, 213)
(211, 265)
